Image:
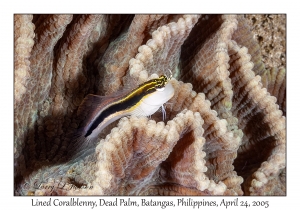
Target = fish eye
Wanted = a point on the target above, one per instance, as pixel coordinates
(163, 78)
(160, 86)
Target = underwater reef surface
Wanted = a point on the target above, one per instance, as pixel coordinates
(225, 132)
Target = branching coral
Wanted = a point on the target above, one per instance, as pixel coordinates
(225, 127)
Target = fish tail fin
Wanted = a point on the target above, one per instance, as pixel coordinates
(79, 145)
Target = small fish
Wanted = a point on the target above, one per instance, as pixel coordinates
(100, 111)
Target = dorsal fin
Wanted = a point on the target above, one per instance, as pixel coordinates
(92, 105)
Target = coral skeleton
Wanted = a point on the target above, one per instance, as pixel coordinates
(224, 132)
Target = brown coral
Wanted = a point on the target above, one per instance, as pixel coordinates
(225, 129)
